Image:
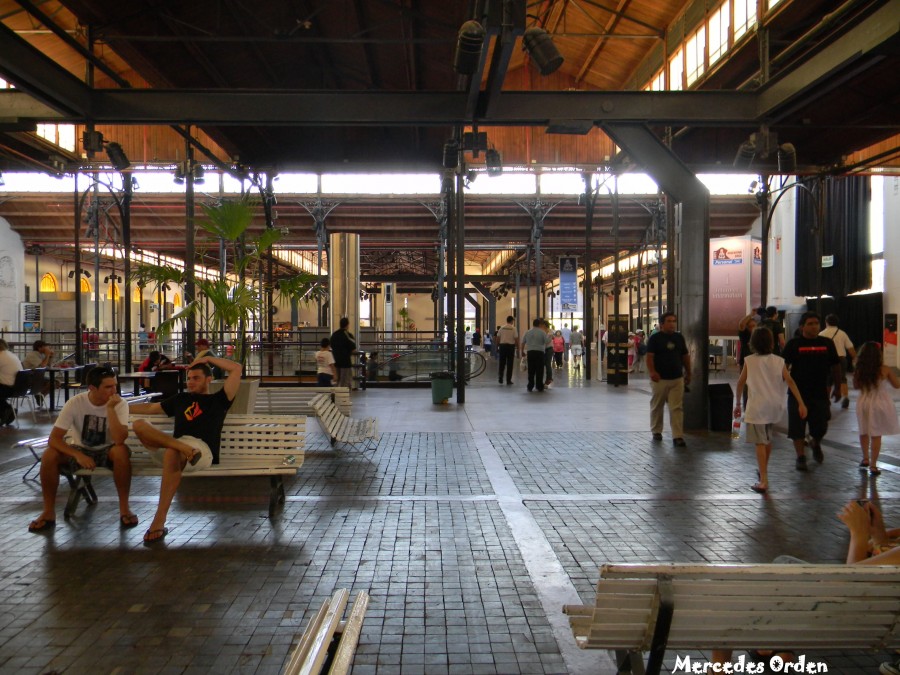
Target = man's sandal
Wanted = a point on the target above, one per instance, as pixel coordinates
(160, 535)
(41, 524)
(127, 521)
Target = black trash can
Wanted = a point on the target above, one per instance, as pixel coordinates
(721, 407)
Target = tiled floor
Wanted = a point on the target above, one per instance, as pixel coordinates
(469, 525)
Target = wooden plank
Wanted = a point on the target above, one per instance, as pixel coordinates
(745, 572)
(343, 657)
(318, 648)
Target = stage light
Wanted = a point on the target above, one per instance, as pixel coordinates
(469, 43)
(117, 156)
(494, 162)
(543, 51)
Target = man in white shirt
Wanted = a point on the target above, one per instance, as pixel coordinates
(90, 431)
(567, 338)
(9, 366)
(844, 346)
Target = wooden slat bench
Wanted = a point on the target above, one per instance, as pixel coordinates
(252, 445)
(295, 400)
(651, 608)
(328, 641)
(340, 427)
(39, 444)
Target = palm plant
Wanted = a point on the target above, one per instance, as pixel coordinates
(235, 299)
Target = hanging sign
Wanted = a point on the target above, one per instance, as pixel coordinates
(568, 284)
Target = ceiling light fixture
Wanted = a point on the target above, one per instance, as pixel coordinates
(117, 156)
(469, 43)
(539, 45)
(494, 162)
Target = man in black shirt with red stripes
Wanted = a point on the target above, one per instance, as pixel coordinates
(810, 358)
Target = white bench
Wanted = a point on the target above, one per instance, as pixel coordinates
(328, 641)
(340, 427)
(252, 445)
(295, 400)
(651, 608)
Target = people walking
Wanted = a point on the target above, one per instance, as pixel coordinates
(669, 365)
(567, 340)
(508, 344)
(765, 375)
(875, 412)
(774, 324)
(810, 358)
(559, 347)
(846, 353)
(577, 346)
(535, 343)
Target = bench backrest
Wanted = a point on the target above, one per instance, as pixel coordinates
(745, 606)
(295, 400)
(248, 436)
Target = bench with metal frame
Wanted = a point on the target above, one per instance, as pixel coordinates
(652, 608)
(295, 400)
(341, 428)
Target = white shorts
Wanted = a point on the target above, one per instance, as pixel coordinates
(206, 458)
(576, 350)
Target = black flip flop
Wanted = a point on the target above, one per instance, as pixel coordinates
(127, 521)
(45, 525)
(150, 542)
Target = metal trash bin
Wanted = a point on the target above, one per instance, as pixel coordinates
(441, 386)
(721, 407)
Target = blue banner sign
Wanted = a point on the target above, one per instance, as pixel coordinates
(568, 284)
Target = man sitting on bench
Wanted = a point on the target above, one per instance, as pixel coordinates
(90, 431)
(198, 417)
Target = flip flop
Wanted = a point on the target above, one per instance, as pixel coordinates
(759, 489)
(127, 521)
(162, 535)
(44, 525)
(874, 472)
(863, 465)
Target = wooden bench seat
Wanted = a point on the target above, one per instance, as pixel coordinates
(339, 427)
(252, 445)
(652, 608)
(295, 400)
(328, 642)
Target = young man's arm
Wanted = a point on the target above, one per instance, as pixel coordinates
(147, 409)
(58, 442)
(118, 431)
(233, 370)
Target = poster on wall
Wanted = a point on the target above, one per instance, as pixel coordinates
(890, 340)
(568, 284)
(729, 281)
(756, 249)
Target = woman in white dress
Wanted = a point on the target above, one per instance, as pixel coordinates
(875, 412)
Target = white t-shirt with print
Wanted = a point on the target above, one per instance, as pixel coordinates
(324, 361)
(86, 425)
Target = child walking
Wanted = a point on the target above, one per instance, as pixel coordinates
(765, 375)
(875, 413)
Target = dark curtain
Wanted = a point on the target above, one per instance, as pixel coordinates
(844, 235)
(860, 316)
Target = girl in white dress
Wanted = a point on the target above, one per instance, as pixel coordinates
(875, 412)
(765, 375)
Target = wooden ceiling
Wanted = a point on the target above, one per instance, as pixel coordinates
(357, 85)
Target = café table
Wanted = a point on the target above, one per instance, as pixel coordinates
(66, 373)
(136, 377)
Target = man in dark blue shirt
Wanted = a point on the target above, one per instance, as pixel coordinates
(669, 365)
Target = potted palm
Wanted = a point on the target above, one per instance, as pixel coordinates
(236, 302)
